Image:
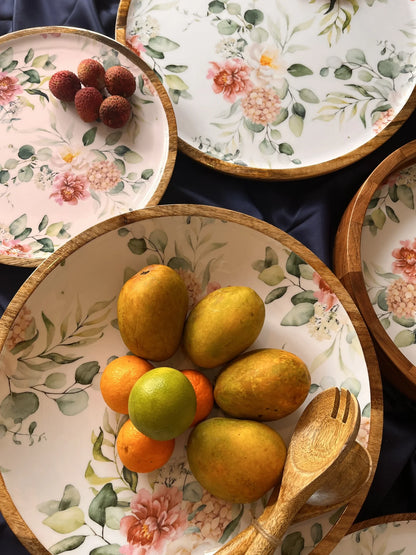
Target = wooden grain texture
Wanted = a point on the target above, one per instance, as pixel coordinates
(160, 90)
(324, 547)
(283, 174)
(377, 521)
(347, 263)
(323, 436)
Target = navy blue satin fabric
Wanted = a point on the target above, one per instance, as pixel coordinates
(309, 210)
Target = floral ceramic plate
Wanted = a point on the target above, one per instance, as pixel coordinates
(58, 334)
(375, 257)
(58, 174)
(393, 534)
(279, 89)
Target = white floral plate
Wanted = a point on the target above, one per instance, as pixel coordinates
(278, 89)
(375, 256)
(58, 174)
(393, 534)
(58, 334)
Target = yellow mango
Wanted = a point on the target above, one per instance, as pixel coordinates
(222, 325)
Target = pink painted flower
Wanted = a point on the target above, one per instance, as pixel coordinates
(405, 262)
(261, 106)
(401, 298)
(9, 88)
(231, 79)
(157, 520)
(325, 296)
(136, 45)
(70, 188)
(390, 180)
(384, 119)
(13, 247)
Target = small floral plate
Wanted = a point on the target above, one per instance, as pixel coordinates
(375, 257)
(279, 89)
(58, 174)
(60, 331)
(392, 534)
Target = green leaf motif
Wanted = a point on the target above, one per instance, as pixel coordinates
(67, 544)
(216, 6)
(389, 68)
(97, 448)
(89, 136)
(304, 297)
(72, 402)
(405, 195)
(6, 57)
(175, 82)
(254, 17)
(112, 549)
(404, 338)
(33, 75)
(356, 56)
(299, 315)
(85, 373)
(25, 152)
(56, 380)
(343, 72)
(293, 544)
(299, 70)
(227, 27)
(131, 478)
(159, 239)
(275, 294)
(316, 532)
(19, 406)
(65, 522)
(18, 225)
(272, 275)
(106, 497)
(70, 498)
(378, 217)
(296, 123)
(137, 246)
(25, 174)
(285, 148)
(162, 44)
(392, 214)
(292, 264)
(308, 96)
(113, 138)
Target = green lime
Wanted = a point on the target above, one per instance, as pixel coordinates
(162, 403)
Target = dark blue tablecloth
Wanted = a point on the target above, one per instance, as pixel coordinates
(309, 210)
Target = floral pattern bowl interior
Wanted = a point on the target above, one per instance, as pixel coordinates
(58, 174)
(391, 534)
(58, 334)
(375, 257)
(255, 83)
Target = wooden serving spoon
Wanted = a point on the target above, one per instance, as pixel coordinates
(323, 436)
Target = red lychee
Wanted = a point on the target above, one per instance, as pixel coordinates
(64, 84)
(87, 103)
(91, 73)
(115, 111)
(120, 81)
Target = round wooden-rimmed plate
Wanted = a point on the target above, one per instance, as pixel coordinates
(282, 90)
(59, 331)
(374, 257)
(58, 174)
(386, 534)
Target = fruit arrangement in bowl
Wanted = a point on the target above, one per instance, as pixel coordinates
(63, 346)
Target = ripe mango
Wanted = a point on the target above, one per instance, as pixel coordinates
(151, 311)
(264, 384)
(236, 460)
(222, 325)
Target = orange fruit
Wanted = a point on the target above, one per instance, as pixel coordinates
(118, 379)
(204, 394)
(138, 452)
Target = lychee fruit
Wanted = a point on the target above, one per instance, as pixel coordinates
(87, 103)
(64, 84)
(120, 81)
(91, 73)
(115, 111)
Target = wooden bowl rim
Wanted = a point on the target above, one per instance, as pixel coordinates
(347, 255)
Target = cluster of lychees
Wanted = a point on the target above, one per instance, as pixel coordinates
(97, 93)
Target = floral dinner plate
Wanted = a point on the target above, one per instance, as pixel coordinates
(58, 174)
(274, 89)
(393, 534)
(62, 486)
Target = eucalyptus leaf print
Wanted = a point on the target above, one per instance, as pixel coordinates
(42, 362)
(370, 88)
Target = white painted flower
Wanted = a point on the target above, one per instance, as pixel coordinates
(70, 158)
(146, 27)
(269, 68)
